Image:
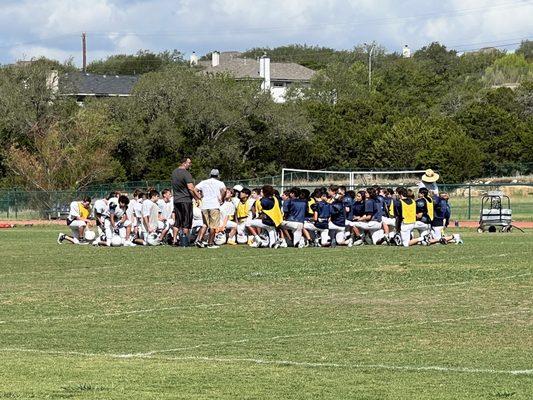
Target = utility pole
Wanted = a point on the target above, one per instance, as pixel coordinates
(371, 48)
(84, 50)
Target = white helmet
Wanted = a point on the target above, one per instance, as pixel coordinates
(152, 240)
(89, 235)
(242, 238)
(220, 238)
(116, 241)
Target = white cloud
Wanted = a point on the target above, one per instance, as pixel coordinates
(124, 26)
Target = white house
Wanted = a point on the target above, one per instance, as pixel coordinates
(273, 76)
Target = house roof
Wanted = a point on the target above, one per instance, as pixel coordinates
(242, 68)
(82, 83)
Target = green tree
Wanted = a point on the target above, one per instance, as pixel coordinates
(136, 64)
(66, 154)
(513, 68)
(526, 49)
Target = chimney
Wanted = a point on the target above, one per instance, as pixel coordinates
(194, 59)
(52, 81)
(215, 59)
(264, 72)
(406, 52)
(84, 50)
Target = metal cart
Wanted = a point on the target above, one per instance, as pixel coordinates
(496, 213)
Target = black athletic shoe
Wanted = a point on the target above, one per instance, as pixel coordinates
(200, 245)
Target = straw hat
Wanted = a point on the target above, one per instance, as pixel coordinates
(430, 176)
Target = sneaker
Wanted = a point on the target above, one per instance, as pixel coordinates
(424, 241)
(250, 240)
(397, 240)
(457, 239)
(255, 244)
(301, 243)
(83, 241)
(127, 243)
(316, 242)
(359, 242)
(231, 241)
(276, 244)
(60, 238)
(283, 244)
(382, 242)
(349, 242)
(212, 246)
(443, 241)
(199, 244)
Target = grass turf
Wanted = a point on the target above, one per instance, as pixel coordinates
(444, 322)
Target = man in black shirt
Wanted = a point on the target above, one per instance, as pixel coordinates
(183, 191)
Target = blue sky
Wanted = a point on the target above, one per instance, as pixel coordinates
(52, 28)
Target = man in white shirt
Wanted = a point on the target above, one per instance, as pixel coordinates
(213, 193)
(429, 181)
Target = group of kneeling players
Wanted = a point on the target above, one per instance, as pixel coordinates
(263, 217)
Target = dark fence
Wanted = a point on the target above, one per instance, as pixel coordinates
(465, 200)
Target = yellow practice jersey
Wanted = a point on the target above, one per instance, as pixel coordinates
(408, 212)
(274, 213)
(431, 211)
(84, 212)
(243, 210)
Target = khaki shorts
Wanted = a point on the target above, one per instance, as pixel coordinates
(211, 218)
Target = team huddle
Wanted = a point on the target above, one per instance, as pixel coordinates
(263, 217)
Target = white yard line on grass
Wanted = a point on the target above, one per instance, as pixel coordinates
(210, 305)
(117, 313)
(350, 365)
(148, 284)
(331, 332)
(259, 361)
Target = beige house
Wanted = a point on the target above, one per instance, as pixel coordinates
(274, 77)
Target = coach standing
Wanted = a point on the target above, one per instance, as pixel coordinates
(183, 191)
(213, 192)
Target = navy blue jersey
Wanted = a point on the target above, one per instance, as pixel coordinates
(295, 210)
(324, 210)
(338, 214)
(358, 208)
(386, 206)
(374, 208)
(267, 204)
(441, 211)
(422, 208)
(285, 206)
(348, 202)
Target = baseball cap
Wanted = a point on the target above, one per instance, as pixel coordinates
(215, 172)
(238, 188)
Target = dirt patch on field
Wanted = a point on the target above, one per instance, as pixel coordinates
(32, 222)
(475, 224)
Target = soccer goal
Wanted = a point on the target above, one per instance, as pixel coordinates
(351, 179)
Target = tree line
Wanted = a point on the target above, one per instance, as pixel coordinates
(436, 109)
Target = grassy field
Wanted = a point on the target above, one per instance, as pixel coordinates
(448, 322)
